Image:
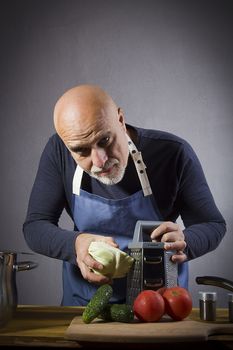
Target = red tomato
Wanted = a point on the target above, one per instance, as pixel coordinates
(149, 306)
(178, 302)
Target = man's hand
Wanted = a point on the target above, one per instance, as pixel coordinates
(85, 261)
(173, 237)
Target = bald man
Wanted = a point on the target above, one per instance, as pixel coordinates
(107, 175)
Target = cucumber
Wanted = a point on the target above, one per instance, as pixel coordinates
(97, 303)
(117, 313)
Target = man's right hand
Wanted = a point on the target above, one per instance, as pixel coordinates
(86, 262)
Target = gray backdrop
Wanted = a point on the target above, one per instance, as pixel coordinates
(168, 64)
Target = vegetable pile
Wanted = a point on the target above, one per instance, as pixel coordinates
(149, 305)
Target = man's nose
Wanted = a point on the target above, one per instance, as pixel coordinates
(99, 157)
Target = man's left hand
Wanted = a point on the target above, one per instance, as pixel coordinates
(173, 237)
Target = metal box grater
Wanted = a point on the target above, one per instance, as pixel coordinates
(152, 267)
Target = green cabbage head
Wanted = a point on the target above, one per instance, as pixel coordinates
(116, 263)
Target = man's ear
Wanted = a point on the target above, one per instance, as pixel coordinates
(121, 117)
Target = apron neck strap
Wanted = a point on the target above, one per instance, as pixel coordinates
(77, 179)
(140, 167)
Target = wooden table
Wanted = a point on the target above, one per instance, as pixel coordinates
(42, 326)
(39, 326)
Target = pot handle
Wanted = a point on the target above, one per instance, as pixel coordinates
(215, 281)
(25, 265)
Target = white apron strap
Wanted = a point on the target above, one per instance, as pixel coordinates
(77, 179)
(140, 167)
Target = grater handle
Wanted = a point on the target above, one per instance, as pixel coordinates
(143, 229)
(153, 283)
(154, 260)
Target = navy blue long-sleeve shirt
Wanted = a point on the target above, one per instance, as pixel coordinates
(177, 181)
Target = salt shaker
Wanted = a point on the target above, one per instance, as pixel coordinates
(207, 303)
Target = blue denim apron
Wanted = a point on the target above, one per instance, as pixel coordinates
(115, 218)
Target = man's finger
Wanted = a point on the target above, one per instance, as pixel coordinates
(165, 227)
(179, 257)
(178, 245)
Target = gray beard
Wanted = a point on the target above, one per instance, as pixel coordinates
(109, 180)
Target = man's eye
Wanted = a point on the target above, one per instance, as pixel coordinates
(82, 151)
(104, 141)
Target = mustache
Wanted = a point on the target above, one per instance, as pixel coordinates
(107, 165)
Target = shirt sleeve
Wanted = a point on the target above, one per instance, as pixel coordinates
(46, 203)
(204, 224)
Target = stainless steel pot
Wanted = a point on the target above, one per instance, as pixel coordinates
(8, 287)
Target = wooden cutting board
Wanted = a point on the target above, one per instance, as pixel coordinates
(164, 331)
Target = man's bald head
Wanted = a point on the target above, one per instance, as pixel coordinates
(80, 104)
(93, 129)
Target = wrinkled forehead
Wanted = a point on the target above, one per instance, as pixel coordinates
(86, 123)
(87, 116)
